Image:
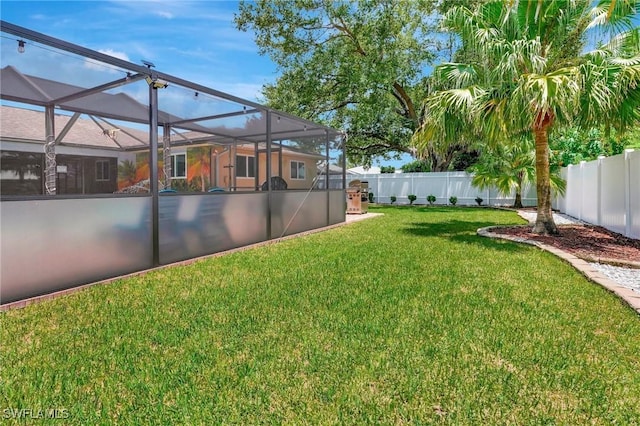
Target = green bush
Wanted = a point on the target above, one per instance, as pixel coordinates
(453, 200)
(371, 197)
(431, 199)
(412, 198)
(393, 199)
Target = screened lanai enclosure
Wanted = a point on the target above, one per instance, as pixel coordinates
(110, 167)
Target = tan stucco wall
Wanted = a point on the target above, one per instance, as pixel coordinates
(221, 174)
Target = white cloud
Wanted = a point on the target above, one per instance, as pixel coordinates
(111, 52)
(162, 14)
(96, 65)
(249, 91)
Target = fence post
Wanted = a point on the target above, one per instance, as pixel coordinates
(627, 192)
(599, 189)
(570, 179)
(411, 185)
(446, 195)
(582, 163)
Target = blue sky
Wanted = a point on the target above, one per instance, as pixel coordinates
(194, 40)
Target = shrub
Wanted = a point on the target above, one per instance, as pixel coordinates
(412, 198)
(371, 197)
(431, 199)
(479, 201)
(453, 200)
(393, 199)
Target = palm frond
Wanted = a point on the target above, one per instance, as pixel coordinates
(553, 94)
(599, 54)
(626, 43)
(614, 16)
(450, 115)
(626, 62)
(457, 75)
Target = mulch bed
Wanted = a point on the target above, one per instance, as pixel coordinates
(592, 243)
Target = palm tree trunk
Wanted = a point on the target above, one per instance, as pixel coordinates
(518, 201)
(544, 220)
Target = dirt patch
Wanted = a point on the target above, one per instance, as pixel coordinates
(592, 243)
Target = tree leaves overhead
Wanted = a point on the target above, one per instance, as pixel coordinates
(523, 70)
(357, 66)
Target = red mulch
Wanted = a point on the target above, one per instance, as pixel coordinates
(588, 242)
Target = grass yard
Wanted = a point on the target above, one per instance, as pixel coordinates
(405, 318)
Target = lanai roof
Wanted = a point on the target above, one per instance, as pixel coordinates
(21, 125)
(18, 87)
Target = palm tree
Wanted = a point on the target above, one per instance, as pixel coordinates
(199, 160)
(126, 174)
(509, 168)
(528, 72)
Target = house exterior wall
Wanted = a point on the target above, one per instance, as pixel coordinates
(225, 169)
(226, 158)
(21, 173)
(310, 167)
(205, 168)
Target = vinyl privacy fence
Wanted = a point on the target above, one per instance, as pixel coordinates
(605, 192)
(442, 185)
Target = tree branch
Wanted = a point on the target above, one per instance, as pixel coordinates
(406, 101)
(384, 144)
(334, 108)
(343, 27)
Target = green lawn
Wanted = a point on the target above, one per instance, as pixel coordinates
(405, 318)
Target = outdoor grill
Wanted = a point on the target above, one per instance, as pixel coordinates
(357, 197)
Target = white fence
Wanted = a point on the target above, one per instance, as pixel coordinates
(442, 185)
(605, 192)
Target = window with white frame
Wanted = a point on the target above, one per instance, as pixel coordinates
(297, 170)
(103, 170)
(178, 166)
(245, 166)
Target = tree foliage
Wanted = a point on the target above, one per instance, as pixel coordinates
(417, 166)
(510, 168)
(527, 72)
(356, 66)
(571, 145)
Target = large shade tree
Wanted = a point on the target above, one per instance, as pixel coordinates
(360, 66)
(530, 69)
